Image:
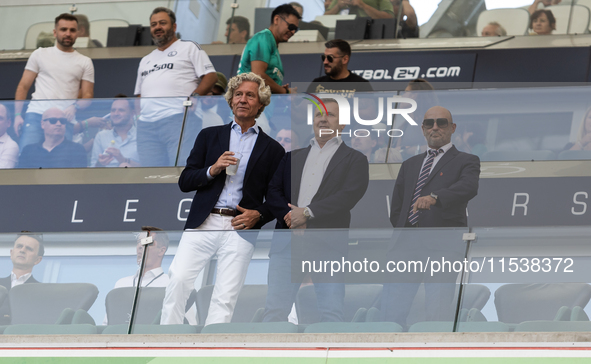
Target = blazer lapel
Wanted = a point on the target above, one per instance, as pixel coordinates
(339, 155)
(257, 151)
(224, 137)
(298, 160)
(447, 157)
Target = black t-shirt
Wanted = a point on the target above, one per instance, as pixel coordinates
(66, 155)
(345, 87)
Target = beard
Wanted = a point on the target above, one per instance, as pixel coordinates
(166, 37)
(65, 42)
(334, 70)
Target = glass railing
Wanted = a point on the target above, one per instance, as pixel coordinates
(316, 281)
(126, 23)
(497, 125)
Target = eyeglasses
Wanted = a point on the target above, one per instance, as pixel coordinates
(292, 27)
(54, 121)
(441, 122)
(329, 57)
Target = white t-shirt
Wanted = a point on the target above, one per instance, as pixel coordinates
(174, 72)
(58, 77)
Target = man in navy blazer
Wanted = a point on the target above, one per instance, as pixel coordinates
(224, 203)
(432, 190)
(329, 179)
(26, 253)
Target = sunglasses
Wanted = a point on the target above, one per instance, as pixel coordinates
(54, 121)
(441, 122)
(329, 57)
(291, 27)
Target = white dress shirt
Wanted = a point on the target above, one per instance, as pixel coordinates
(14, 281)
(8, 152)
(437, 158)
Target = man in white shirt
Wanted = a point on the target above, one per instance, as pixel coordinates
(27, 252)
(59, 73)
(8, 147)
(178, 69)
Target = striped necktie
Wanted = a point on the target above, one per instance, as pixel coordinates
(413, 218)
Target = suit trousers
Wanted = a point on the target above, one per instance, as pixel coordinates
(196, 248)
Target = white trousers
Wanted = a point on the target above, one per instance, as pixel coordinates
(196, 248)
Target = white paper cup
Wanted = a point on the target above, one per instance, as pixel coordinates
(233, 168)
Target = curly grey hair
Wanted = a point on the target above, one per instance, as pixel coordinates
(264, 90)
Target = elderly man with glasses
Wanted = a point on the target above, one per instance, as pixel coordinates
(261, 54)
(54, 151)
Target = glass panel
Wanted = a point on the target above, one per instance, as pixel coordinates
(538, 276)
(62, 288)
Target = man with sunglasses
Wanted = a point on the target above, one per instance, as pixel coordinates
(55, 151)
(450, 179)
(338, 78)
(261, 54)
(432, 190)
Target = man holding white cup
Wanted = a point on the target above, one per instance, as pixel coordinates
(224, 202)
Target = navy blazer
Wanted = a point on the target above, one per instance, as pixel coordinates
(344, 183)
(210, 144)
(454, 180)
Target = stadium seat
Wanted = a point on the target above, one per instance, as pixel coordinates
(514, 21)
(339, 327)
(34, 31)
(517, 303)
(99, 29)
(518, 155)
(250, 300)
(151, 329)
(82, 317)
(65, 317)
(569, 155)
(579, 23)
(3, 295)
(41, 329)
(578, 314)
(356, 297)
(553, 326)
(43, 303)
(119, 301)
(251, 328)
(563, 314)
(441, 326)
(585, 3)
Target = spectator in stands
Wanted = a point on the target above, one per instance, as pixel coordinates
(225, 202)
(239, 30)
(207, 106)
(409, 24)
(261, 54)
(338, 78)
(176, 68)
(8, 147)
(288, 139)
(26, 253)
(471, 138)
(540, 4)
(493, 29)
(376, 9)
(55, 151)
(59, 73)
(117, 147)
(84, 31)
(365, 144)
(542, 22)
(298, 7)
(583, 141)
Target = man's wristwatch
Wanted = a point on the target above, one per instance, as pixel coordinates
(307, 212)
(434, 196)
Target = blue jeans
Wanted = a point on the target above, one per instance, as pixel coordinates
(282, 292)
(158, 141)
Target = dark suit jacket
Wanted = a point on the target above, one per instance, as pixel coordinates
(344, 183)
(454, 179)
(5, 307)
(210, 144)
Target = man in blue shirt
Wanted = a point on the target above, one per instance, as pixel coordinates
(117, 147)
(224, 202)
